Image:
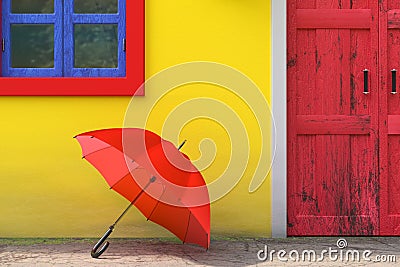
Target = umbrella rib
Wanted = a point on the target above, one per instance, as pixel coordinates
(158, 201)
(112, 187)
(104, 148)
(187, 228)
(148, 218)
(128, 173)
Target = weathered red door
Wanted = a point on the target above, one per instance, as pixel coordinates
(333, 117)
(389, 117)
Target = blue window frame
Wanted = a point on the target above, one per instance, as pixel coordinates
(69, 38)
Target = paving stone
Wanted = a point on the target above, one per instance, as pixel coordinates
(154, 252)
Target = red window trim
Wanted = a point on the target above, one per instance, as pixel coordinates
(125, 86)
(1, 35)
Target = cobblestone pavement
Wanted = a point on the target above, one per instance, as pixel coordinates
(241, 252)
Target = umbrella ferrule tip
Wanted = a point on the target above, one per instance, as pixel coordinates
(152, 179)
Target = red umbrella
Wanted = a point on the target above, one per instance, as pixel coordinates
(154, 176)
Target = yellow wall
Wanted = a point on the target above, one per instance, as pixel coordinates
(47, 190)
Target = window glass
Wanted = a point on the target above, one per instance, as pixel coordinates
(96, 46)
(32, 45)
(32, 6)
(96, 6)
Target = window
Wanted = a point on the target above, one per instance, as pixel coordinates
(72, 47)
(50, 38)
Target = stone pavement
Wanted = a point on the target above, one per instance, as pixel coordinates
(237, 252)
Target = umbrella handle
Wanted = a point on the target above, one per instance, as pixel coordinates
(94, 253)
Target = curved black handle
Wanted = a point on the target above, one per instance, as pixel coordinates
(394, 81)
(94, 253)
(366, 92)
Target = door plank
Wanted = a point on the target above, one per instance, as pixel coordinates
(333, 18)
(333, 124)
(393, 124)
(393, 21)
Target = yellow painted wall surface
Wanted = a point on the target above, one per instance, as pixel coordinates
(47, 190)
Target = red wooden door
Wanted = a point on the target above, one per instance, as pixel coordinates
(333, 139)
(390, 117)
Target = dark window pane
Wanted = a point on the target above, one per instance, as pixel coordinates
(96, 45)
(96, 6)
(32, 6)
(32, 46)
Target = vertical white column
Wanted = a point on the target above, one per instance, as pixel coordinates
(279, 173)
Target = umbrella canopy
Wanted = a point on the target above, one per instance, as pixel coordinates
(152, 174)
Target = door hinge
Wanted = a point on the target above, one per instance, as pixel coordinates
(3, 45)
(124, 44)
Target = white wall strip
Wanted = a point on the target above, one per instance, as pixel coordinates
(279, 199)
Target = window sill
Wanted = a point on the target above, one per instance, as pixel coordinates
(11, 86)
